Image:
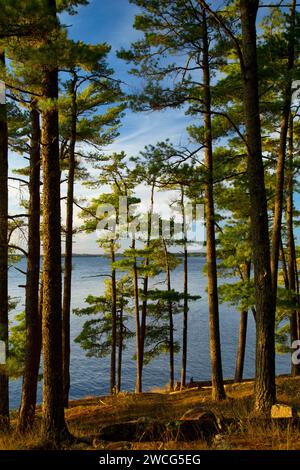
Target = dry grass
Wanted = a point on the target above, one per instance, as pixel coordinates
(85, 417)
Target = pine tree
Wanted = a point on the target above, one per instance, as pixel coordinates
(89, 87)
(175, 29)
(96, 336)
(33, 320)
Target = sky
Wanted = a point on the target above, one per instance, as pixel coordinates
(111, 21)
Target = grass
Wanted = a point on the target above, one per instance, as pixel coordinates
(85, 417)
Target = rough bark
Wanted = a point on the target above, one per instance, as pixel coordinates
(280, 170)
(265, 392)
(4, 395)
(218, 392)
(66, 313)
(32, 309)
(54, 426)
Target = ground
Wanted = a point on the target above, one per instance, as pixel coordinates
(86, 416)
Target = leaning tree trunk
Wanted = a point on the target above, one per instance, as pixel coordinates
(291, 251)
(66, 312)
(4, 396)
(218, 392)
(278, 203)
(185, 292)
(240, 359)
(54, 426)
(32, 312)
(265, 391)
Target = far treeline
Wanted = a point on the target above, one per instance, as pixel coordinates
(233, 70)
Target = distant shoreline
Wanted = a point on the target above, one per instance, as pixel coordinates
(103, 255)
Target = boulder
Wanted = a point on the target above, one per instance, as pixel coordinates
(204, 426)
(281, 411)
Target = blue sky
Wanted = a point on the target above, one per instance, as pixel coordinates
(111, 21)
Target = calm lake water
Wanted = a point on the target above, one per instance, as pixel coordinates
(90, 376)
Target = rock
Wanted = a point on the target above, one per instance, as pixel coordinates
(280, 411)
(204, 426)
(143, 429)
(118, 446)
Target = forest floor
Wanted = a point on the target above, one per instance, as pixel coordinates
(85, 418)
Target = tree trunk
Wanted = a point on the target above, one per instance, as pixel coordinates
(113, 321)
(32, 312)
(291, 252)
(278, 203)
(4, 395)
(69, 250)
(185, 292)
(138, 385)
(171, 322)
(265, 391)
(240, 360)
(284, 266)
(120, 348)
(54, 426)
(145, 286)
(218, 392)
(241, 347)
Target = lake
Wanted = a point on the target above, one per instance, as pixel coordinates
(90, 376)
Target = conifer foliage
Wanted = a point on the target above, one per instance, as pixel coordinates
(232, 69)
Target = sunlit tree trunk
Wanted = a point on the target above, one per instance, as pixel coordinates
(265, 391)
(54, 426)
(69, 247)
(218, 392)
